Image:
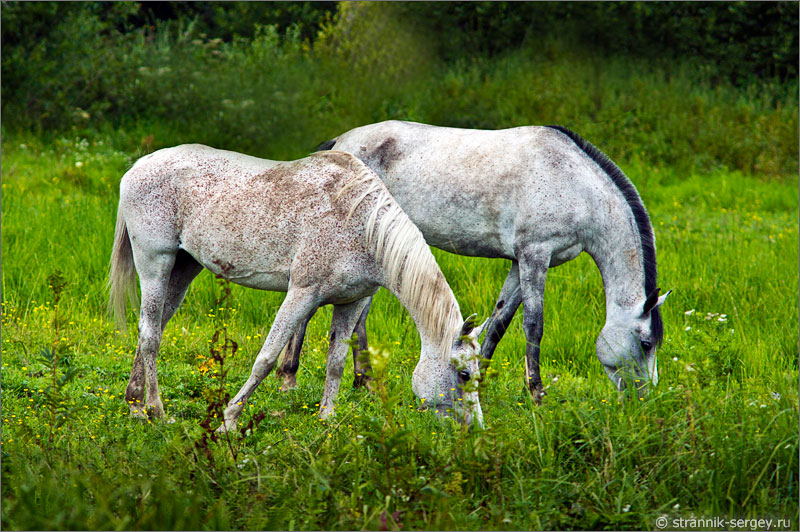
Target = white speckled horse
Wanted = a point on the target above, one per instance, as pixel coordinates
(538, 196)
(324, 229)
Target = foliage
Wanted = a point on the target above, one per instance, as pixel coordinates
(735, 41)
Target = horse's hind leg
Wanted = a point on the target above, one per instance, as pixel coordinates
(287, 369)
(298, 306)
(507, 304)
(533, 264)
(183, 272)
(154, 273)
(361, 366)
(344, 319)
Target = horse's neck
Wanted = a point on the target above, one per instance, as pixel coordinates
(617, 250)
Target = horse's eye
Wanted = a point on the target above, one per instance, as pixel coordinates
(464, 374)
(646, 346)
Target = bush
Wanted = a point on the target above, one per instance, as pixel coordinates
(273, 93)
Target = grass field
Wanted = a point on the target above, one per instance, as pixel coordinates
(717, 438)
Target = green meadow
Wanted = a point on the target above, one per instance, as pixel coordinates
(714, 161)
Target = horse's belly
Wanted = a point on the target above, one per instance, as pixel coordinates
(255, 263)
(243, 270)
(471, 232)
(275, 282)
(559, 257)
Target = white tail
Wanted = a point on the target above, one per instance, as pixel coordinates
(121, 275)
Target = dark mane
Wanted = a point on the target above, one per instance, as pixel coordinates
(639, 214)
(326, 145)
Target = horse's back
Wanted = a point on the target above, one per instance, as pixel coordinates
(474, 192)
(229, 210)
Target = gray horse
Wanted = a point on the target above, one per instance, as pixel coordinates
(538, 196)
(324, 229)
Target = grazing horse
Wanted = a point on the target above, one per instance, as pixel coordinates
(323, 229)
(538, 196)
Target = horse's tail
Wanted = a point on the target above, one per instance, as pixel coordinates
(325, 146)
(122, 273)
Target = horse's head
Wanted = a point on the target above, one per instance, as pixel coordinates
(453, 386)
(627, 344)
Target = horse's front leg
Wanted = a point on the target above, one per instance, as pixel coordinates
(344, 319)
(297, 307)
(533, 264)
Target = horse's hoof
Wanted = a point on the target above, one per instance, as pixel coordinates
(537, 394)
(361, 380)
(155, 411)
(325, 413)
(289, 383)
(227, 426)
(138, 413)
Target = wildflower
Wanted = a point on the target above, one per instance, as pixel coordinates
(626, 508)
(776, 395)
(689, 312)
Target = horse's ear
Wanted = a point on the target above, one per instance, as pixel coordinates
(469, 325)
(654, 301)
(476, 332)
(469, 328)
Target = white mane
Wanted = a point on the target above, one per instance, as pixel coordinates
(407, 262)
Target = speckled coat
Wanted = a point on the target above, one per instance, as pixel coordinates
(324, 229)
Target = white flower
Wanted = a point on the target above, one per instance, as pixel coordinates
(763, 406)
(677, 506)
(688, 328)
(674, 359)
(722, 320)
(626, 508)
(776, 396)
(78, 164)
(689, 312)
